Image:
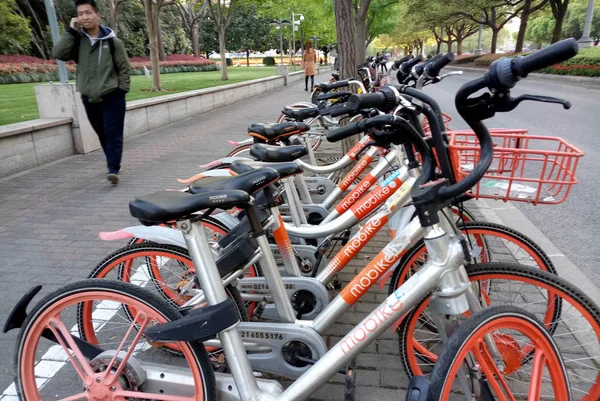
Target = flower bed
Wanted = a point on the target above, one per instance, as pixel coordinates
(20, 69)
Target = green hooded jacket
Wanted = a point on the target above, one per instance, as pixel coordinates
(96, 75)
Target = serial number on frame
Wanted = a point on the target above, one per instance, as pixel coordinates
(264, 286)
(265, 336)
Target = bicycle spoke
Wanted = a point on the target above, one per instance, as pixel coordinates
(79, 362)
(535, 386)
(75, 397)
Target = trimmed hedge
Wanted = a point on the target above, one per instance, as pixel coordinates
(464, 59)
(269, 61)
(487, 59)
(22, 78)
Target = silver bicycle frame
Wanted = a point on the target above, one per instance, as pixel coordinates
(444, 267)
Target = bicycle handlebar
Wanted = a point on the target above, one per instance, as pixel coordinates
(506, 72)
(503, 75)
(433, 68)
(397, 63)
(408, 65)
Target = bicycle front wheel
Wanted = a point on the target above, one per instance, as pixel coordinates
(470, 366)
(566, 312)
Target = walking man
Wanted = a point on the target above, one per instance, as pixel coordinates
(102, 78)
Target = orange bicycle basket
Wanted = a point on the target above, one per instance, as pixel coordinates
(525, 168)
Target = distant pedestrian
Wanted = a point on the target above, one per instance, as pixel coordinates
(310, 68)
(102, 78)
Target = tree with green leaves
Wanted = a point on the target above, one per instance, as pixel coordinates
(494, 14)
(14, 30)
(192, 13)
(529, 7)
(559, 11)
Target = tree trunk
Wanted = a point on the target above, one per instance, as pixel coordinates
(494, 40)
(439, 47)
(450, 45)
(559, 18)
(195, 41)
(523, 26)
(112, 13)
(248, 57)
(459, 42)
(222, 38)
(161, 46)
(347, 53)
(361, 40)
(151, 21)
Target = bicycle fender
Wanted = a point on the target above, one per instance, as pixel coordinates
(244, 142)
(197, 325)
(223, 160)
(157, 234)
(19, 313)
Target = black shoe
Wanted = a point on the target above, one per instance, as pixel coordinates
(306, 89)
(113, 178)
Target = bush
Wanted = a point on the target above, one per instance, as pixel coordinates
(269, 61)
(464, 59)
(229, 62)
(487, 59)
(14, 71)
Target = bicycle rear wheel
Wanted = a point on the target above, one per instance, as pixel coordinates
(64, 369)
(467, 364)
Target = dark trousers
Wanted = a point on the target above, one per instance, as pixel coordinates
(312, 81)
(108, 118)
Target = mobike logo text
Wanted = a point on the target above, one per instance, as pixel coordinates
(369, 275)
(374, 199)
(355, 195)
(356, 243)
(358, 147)
(355, 172)
(363, 236)
(369, 325)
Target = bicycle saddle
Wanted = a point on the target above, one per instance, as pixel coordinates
(249, 182)
(326, 86)
(277, 154)
(271, 132)
(285, 170)
(336, 75)
(301, 114)
(174, 205)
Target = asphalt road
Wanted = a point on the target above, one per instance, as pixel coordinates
(572, 225)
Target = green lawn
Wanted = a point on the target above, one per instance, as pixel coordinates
(17, 101)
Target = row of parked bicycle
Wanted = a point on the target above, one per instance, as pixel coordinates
(231, 277)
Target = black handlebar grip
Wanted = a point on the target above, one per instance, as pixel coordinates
(339, 110)
(554, 54)
(433, 69)
(366, 101)
(344, 132)
(397, 63)
(408, 65)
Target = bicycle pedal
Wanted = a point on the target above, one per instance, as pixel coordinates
(418, 389)
(350, 384)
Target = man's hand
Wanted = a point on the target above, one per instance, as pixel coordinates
(74, 23)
